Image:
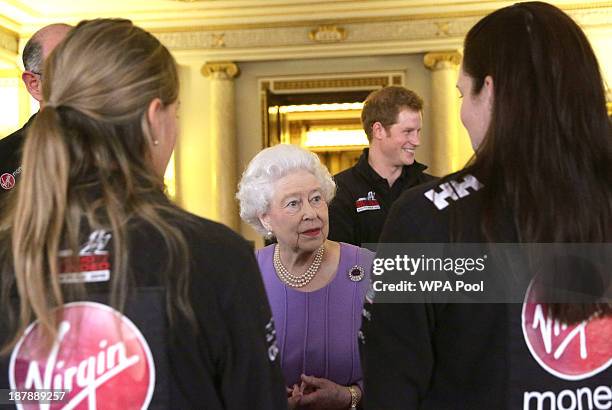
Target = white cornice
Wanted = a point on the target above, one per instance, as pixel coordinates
(182, 15)
(399, 35)
(248, 30)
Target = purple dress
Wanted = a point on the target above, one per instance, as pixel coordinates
(317, 331)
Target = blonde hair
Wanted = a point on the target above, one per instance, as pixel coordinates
(86, 163)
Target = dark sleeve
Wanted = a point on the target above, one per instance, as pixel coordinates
(238, 334)
(251, 375)
(397, 355)
(343, 223)
(397, 347)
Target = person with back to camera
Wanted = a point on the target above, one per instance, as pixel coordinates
(36, 50)
(533, 104)
(315, 286)
(113, 295)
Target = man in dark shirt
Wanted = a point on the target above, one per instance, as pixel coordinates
(35, 52)
(392, 119)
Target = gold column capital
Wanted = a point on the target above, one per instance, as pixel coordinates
(442, 59)
(223, 69)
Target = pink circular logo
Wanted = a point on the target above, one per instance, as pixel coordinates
(7, 181)
(573, 352)
(99, 356)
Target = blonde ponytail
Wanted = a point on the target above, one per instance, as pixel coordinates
(37, 230)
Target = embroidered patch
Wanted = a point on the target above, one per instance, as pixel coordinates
(368, 203)
(93, 263)
(7, 181)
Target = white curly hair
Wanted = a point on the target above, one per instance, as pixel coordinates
(256, 187)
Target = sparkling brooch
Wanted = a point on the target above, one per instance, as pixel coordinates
(356, 273)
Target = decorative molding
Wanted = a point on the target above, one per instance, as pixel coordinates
(440, 60)
(298, 36)
(253, 30)
(443, 28)
(409, 11)
(218, 40)
(335, 83)
(328, 34)
(332, 82)
(391, 34)
(221, 69)
(238, 15)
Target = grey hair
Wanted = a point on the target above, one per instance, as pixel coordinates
(256, 188)
(32, 55)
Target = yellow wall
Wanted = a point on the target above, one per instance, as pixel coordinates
(194, 178)
(15, 102)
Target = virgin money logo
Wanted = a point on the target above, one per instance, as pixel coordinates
(7, 181)
(99, 356)
(569, 352)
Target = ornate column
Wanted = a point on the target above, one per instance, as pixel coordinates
(448, 149)
(224, 156)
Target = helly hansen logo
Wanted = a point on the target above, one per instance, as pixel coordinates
(453, 190)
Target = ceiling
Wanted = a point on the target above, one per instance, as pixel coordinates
(26, 16)
(249, 30)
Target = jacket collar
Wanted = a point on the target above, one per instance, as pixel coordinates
(408, 171)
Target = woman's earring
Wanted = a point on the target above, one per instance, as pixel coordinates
(155, 142)
(269, 234)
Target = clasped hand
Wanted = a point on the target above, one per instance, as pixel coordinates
(315, 393)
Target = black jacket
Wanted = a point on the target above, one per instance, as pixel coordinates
(10, 159)
(473, 356)
(363, 199)
(228, 361)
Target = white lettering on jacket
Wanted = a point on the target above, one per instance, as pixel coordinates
(548, 327)
(89, 374)
(452, 190)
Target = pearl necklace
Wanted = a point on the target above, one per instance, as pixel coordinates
(298, 281)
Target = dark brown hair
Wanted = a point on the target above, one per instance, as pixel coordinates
(547, 155)
(384, 106)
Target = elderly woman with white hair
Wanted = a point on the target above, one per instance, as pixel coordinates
(315, 286)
